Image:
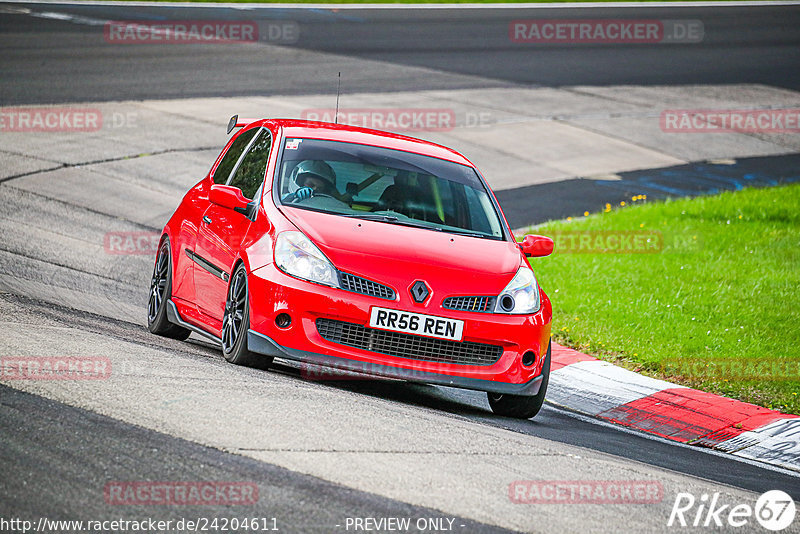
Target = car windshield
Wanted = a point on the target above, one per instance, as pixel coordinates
(386, 185)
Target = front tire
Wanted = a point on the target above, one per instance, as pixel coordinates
(522, 406)
(236, 323)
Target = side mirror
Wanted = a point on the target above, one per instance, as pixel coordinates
(228, 197)
(536, 246)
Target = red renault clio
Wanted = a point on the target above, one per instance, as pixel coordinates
(358, 249)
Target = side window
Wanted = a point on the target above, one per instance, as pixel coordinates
(250, 174)
(232, 156)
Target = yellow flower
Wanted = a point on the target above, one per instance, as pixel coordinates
(585, 213)
(641, 225)
(622, 203)
(569, 218)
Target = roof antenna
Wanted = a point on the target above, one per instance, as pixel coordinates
(338, 88)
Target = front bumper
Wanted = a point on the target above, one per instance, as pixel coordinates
(273, 292)
(264, 345)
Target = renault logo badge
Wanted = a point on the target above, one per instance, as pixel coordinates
(420, 291)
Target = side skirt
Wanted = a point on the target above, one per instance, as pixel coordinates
(175, 317)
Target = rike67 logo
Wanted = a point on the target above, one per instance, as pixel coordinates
(774, 510)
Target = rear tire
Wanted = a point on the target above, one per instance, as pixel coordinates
(522, 406)
(236, 323)
(160, 293)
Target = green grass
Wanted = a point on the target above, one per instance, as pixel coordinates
(717, 308)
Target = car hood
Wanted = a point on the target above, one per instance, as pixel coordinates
(399, 255)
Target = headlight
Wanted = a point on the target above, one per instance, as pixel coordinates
(296, 255)
(521, 295)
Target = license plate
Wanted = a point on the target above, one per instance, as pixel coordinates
(416, 323)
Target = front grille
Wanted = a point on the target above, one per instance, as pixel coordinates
(475, 304)
(408, 345)
(356, 284)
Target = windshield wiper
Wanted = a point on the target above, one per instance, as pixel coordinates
(391, 219)
(371, 217)
(410, 222)
(468, 233)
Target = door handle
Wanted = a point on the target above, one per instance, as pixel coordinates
(206, 219)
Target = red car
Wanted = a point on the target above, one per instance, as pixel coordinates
(358, 249)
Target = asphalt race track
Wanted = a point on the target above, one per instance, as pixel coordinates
(319, 452)
(61, 60)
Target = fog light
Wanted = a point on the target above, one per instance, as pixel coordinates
(528, 359)
(283, 320)
(507, 303)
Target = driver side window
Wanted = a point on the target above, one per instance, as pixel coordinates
(232, 156)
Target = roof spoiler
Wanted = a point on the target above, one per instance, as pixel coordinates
(236, 122)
